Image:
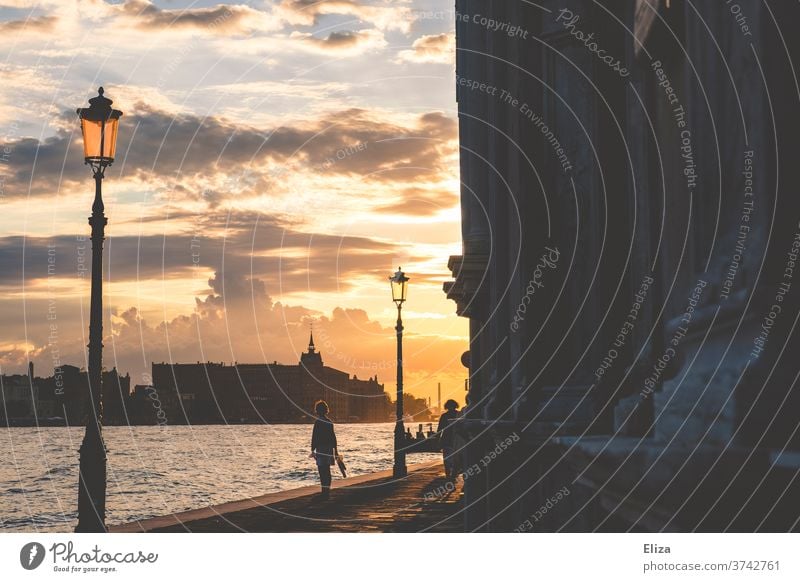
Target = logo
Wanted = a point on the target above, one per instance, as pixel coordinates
(31, 555)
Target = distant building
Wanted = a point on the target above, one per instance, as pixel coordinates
(116, 397)
(20, 396)
(62, 398)
(209, 392)
(201, 393)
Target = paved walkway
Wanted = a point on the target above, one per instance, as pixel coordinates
(423, 501)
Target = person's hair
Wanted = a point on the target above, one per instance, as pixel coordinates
(321, 407)
(451, 405)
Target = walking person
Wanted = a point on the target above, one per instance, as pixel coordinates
(445, 430)
(324, 448)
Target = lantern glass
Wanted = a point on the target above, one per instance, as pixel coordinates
(99, 124)
(99, 139)
(399, 283)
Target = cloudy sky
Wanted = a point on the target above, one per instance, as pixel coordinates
(277, 160)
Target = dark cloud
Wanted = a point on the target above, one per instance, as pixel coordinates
(33, 24)
(155, 145)
(259, 247)
(354, 142)
(217, 19)
(303, 5)
(343, 40)
(39, 167)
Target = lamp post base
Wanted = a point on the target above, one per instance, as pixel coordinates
(92, 484)
(399, 469)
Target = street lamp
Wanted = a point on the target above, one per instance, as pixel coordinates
(99, 124)
(399, 283)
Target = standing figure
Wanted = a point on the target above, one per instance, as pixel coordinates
(445, 431)
(324, 448)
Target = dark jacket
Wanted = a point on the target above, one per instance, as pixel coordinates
(445, 429)
(323, 438)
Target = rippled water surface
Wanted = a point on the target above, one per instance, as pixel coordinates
(158, 470)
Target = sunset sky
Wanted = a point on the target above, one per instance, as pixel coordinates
(277, 161)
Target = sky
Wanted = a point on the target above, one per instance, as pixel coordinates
(277, 161)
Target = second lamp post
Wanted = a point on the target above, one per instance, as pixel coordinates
(399, 293)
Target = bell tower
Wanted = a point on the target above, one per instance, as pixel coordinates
(311, 358)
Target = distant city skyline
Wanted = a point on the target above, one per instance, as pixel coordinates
(206, 393)
(277, 161)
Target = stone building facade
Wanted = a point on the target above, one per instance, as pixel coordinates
(204, 393)
(62, 399)
(630, 224)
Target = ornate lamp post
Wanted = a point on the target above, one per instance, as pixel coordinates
(99, 123)
(399, 283)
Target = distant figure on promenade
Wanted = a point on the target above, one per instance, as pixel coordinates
(324, 448)
(445, 431)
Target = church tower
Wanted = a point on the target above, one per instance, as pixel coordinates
(311, 358)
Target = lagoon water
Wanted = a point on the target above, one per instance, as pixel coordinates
(156, 470)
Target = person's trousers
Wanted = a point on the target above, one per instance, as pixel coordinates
(324, 468)
(449, 459)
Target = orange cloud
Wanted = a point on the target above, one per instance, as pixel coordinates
(434, 48)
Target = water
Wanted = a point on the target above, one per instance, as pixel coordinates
(158, 470)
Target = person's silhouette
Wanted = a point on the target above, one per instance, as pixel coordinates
(445, 431)
(323, 446)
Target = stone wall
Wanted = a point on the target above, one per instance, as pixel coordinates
(629, 206)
